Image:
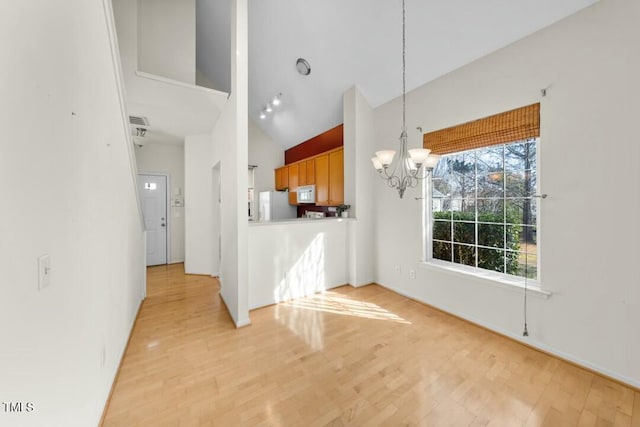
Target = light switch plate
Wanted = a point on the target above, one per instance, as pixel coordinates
(44, 271)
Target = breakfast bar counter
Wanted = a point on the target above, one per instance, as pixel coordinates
(291, 258)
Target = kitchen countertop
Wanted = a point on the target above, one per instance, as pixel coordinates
(299, 221)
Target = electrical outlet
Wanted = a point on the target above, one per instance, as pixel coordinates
(412, 274)
(44, 271)
(397, 268)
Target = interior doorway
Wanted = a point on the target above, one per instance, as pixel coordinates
(216, 222)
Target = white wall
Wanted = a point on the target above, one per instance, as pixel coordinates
(69, 192)
(168, 159)
(198, 197)
(267, 155)
(359, 176)
(233, 155)
(167, 38)
(226, 150)
(590, 63)
(126, 19)
(294, 259)
(202, 80)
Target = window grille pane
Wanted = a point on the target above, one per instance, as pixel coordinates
(515, 184)
(528, 240)
(442, 230)
(521, 211)
(523, 264)
(520, 156)
(491, 185)
(491, 210)
(490, 160)
(464, 254)
(442, 250)
(464, 232)
(491, 259)
(491, 235)
(468, 209)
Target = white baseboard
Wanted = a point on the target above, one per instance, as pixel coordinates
(529, 342)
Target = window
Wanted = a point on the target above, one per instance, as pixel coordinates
(484, 209)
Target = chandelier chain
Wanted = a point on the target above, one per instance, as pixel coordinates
(404, 68)
(413, 165)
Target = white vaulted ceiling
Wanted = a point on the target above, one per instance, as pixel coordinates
(357, 42)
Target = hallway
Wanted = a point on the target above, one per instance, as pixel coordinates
(363, 356)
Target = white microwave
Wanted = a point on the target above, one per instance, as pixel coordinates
(306, 194)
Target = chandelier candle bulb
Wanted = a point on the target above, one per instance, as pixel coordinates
(419, 155)
(432, 161)
(386, 156)
(376, 163)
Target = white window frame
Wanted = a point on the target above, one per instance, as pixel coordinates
(488, 276)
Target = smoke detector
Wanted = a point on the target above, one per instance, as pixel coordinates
(138, 138)
(303, 67)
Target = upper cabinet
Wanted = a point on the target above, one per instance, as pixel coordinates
(294, 171)
(322, 179)
(325, 171)
(330, 178)
(282, 178)
(311, 171)
(336, 177)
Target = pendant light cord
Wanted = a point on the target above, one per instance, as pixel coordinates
(404, 67)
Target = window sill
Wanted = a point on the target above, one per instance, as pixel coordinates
(495, 279)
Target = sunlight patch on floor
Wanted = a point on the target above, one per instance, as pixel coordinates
(333, 302)
(307, 325)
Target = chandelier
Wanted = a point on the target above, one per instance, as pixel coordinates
(412, 165)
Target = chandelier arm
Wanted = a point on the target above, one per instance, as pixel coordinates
(394, 182)
(395, 168)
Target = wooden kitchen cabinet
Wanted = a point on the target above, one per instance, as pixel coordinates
(306, 172)
(325, 171)
(336, 177)
(322, 179)
(311, 171)
(282, 178)
(302, 173)
(294, 171)
(329, 174)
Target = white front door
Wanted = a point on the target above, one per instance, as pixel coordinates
(153, 197)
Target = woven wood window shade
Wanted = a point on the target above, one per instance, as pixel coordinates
(514, 125)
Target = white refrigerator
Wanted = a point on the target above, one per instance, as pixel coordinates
(275, 205)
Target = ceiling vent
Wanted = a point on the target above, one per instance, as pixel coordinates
(139, 120)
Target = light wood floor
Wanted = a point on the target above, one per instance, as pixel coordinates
(361, 357)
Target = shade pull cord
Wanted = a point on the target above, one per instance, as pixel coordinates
(525, 333)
